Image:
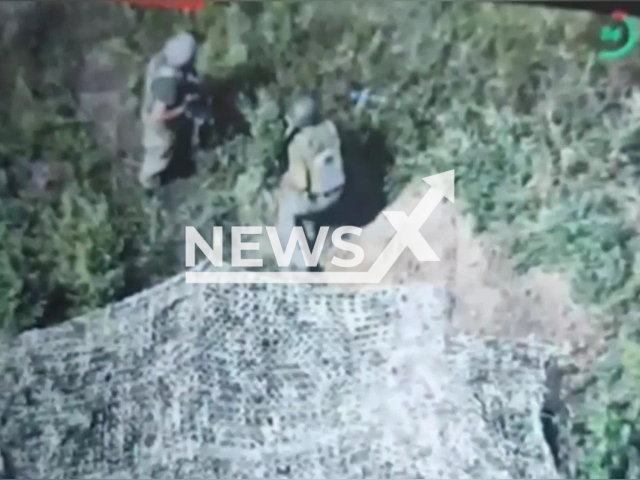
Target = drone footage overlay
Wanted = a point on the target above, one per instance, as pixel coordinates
(319, 240)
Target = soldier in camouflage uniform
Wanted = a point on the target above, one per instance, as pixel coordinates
(315, 177)
(171, 82)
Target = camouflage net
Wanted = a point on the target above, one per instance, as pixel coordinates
(267, 381)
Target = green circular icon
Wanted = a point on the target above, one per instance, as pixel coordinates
(614, 33)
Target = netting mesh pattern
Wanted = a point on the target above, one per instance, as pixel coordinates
(271, 381)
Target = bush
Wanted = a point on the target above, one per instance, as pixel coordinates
(68, 251)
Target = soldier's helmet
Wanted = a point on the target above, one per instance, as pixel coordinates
(180, 49)
(303, 113)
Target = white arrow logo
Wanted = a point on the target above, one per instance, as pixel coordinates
(407, 236)
(442, 185)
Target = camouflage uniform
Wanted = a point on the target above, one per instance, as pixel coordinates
(315, 177)
(172, 80)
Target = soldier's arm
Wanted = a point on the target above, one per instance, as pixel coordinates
(291, 181)
(296, 176)
(165, 92)
(161, 113)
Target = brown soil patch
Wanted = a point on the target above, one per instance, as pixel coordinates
(491, 299)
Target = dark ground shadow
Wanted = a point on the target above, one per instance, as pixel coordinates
(367, 160)
(221, 96)
(182, 164)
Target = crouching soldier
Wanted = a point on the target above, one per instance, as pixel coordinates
(315, 178)
(171, 85)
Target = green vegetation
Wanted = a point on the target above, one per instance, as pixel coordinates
(544, 140)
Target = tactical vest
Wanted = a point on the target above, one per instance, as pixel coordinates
(315, 152)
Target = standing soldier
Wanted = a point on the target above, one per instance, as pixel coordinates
(171, 83)
(315, 177)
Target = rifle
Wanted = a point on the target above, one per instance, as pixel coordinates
(200, 112)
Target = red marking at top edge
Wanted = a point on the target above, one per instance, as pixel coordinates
(619, 15)
(191, 5)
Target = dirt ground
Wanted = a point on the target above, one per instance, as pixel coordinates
(491, 298)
